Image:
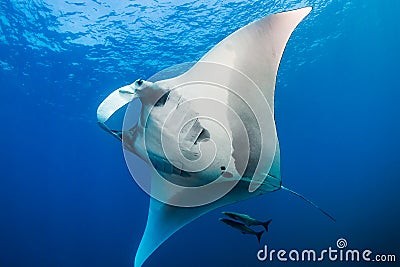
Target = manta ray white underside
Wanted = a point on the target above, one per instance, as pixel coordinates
(209, 134)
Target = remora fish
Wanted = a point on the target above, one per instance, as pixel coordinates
(242, 228)
(246, 219)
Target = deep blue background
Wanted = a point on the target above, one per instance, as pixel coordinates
(66, 196)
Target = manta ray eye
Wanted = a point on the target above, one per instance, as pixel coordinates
(139, 82)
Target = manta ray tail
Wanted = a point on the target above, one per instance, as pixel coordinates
(309, 202)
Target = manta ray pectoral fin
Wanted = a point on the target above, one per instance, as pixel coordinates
(164, 220)
(254, 50)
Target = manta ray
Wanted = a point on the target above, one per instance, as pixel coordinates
(209, 134)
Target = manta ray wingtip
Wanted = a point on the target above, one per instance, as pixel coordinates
(305, 10)
(308, 9)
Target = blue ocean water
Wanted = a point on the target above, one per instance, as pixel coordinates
(66, 195)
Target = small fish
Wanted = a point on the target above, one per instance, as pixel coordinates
(246, 219)
(242, 228)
